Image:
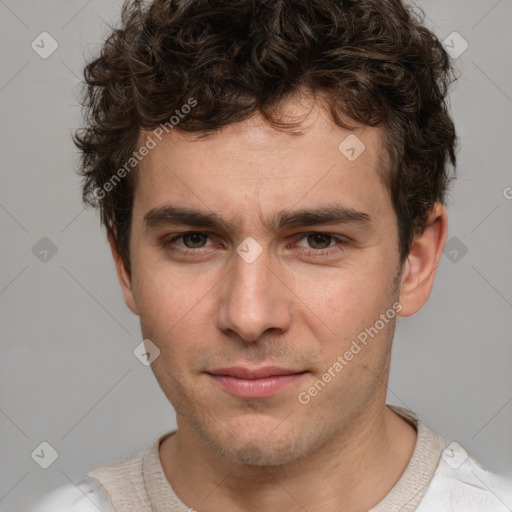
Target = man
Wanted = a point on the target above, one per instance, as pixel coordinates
(272, 177)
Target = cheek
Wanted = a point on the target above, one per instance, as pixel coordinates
(173, 306)
(347, 299)
(155, 299)
(160, 291)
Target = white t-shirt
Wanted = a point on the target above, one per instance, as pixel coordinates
(440, 477)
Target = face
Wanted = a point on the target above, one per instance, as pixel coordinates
(252, 284)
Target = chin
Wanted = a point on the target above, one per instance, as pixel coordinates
(259, 452)
(259, 441)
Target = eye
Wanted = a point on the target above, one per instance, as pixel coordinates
(321, 244)
(314, 244)
(191, 239)
(194, 240)
(319, 240)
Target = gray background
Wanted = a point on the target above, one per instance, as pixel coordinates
(67, 369)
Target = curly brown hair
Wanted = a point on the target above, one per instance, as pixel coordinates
(374, 61)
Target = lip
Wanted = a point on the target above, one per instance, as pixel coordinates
(255, 383)
(255, 373)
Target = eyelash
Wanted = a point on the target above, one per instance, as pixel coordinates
(328, 251)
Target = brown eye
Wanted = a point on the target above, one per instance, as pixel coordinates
(319, 240)
(322, 245)
(194, 240)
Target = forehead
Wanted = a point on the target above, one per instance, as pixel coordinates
(250, 170)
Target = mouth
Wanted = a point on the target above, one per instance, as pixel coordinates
(255, 383)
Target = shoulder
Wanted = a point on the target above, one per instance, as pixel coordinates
(461, 483)
(88, 495)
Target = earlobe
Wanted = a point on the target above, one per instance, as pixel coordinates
(124, 278)
(422, 262)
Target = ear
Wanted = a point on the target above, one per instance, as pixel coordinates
(122, 275)
(421, 265)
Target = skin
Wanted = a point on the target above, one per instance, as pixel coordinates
(212, 309)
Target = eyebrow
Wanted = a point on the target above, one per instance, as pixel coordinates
(180, 215)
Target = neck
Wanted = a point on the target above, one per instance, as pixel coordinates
(355, 470)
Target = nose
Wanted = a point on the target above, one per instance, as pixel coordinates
(253, 299)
